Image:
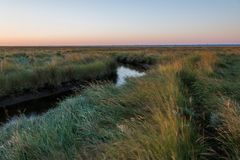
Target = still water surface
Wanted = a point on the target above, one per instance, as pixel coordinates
(123, 73)
(39, 106)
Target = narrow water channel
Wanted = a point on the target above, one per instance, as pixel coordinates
(40, 106)
(124, 72)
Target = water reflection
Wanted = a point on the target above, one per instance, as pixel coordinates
(39, 106)
(124, 72)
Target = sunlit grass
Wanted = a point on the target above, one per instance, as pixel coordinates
(161, 132)
(53, 75)
(176, 111)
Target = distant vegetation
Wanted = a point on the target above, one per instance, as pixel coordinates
(24, 72)
(185, 107)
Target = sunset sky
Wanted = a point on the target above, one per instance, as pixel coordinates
(119, 22)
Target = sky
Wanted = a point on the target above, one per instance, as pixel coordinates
(119, 22)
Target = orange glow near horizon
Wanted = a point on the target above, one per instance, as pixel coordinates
(107, 22)
(121, 40)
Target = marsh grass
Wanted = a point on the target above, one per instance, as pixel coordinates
(53, 75)
(162, 132)
(229, 132)
(164, 115)
(28, 69)
(62, 133)
(89, 124)
(205, 80)
(137, 59)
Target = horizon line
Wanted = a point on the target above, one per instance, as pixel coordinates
(131, 45)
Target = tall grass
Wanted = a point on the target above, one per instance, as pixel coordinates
(53, 75)
(136, 59)
(229, 132)
(205, 90)
(164, 115)
(70, 131)
(162, 132)
(30, 69)
(92, 125)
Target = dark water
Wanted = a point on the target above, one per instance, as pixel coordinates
(40, 106)
(33, 107)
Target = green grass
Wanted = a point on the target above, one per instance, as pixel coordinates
(228, 74)
(186, 107)
(82, 124)
(210, 90)
(53, 75)
(137, 59)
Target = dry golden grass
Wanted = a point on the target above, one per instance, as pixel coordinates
(207, 62)
(79, 57)
(164, 133)
(7, 66)
(142, 120)
(229, 131)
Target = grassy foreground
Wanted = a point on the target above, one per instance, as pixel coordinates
(186, 108)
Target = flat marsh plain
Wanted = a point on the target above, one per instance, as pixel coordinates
(185, 107)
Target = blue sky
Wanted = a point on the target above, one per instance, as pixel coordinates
(101, 22)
